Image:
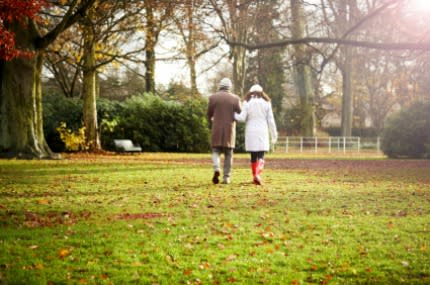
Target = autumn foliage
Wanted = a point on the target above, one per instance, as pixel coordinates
(11, 11)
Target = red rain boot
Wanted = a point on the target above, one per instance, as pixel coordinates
(255, 173)
(260, 166)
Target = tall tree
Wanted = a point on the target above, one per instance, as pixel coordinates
(190, 22)
(237, 22)
(157, 13)
(99, 40)
(21, 126)
(347, 16)
(266, 66)
(89, 71)
(303, 75)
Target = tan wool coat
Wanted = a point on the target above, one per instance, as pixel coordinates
(220, 113)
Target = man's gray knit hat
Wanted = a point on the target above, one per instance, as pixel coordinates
(225, 83)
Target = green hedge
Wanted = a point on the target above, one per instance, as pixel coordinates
(57, 109)
(407, 133)
(159, 125)
(154, 123)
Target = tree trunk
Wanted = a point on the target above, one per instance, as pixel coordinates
(240, 19)
(349, 9)
(191, 51)
(347, 102)
(151, 39)
(21, 123)
(303, 76)
(239, 68)
(90, 92)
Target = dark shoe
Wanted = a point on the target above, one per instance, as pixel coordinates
(215, 178)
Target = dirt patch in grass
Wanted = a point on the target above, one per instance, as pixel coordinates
(137, 216)
(317, 164)
(273, 161)
(48, 219)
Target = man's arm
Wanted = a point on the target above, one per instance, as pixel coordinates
(237, 107)
(210, 111)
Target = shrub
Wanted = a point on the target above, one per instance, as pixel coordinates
(407, 133)
(159, 125)
(154, 123)
(73, 140)
(57, 109)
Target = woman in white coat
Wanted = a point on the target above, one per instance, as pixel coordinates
(258, 115)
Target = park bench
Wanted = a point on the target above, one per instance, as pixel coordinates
(125, 145)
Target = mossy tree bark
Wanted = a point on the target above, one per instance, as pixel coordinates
(21, 123)
(90, 90)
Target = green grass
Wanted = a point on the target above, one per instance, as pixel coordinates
(157, 219)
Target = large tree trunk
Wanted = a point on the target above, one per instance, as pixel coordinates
(239, 69)
(239, 16)
(303, 76)
(349, 9)
(347, 102)
(90, 92)
(191, 50)
(151, 40)
(21, 124)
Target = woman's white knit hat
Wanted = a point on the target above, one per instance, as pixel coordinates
(256, 88)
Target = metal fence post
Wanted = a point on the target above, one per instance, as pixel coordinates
(301, 144)
(358, 144)
(344, 144)
(316, 144)
(378, 144)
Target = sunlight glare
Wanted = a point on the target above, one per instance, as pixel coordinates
(422, 6)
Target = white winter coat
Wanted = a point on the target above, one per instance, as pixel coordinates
(258, 115)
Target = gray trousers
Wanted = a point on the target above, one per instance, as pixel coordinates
(228, 159)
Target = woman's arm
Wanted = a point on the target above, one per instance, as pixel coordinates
(242, 116)
(272, 124)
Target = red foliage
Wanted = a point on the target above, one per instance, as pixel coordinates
(10, 11)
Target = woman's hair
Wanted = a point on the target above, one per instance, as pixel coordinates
(257, 95)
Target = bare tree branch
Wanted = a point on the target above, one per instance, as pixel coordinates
(69, 19)
(425, 46)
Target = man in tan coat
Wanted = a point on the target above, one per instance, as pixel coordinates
(222, 106)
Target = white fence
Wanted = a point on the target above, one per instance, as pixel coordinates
(327, 144)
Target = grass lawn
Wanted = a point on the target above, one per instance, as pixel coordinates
(157, 219)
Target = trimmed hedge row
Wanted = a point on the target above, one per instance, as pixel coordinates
(154, 123)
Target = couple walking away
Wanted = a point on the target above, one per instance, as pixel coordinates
(224, 110)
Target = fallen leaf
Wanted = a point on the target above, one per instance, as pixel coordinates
(314, 267)
(169, 258)
(204, 265)
(104, 276)
(62, 253)
(390, 224)
(231, 257)
(43, 202)
(188, 272)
